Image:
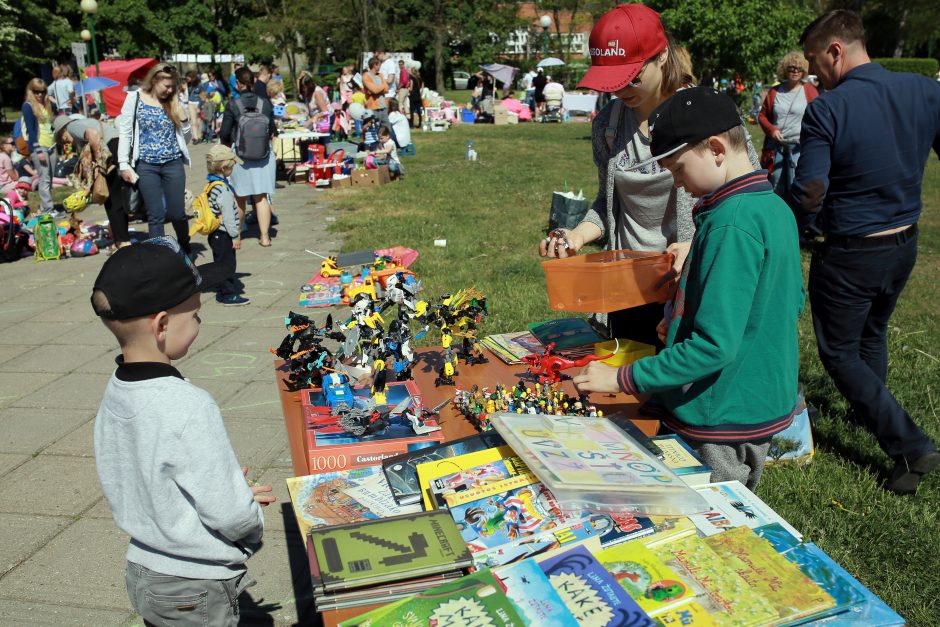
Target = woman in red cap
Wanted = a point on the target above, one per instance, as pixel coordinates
(637, 207)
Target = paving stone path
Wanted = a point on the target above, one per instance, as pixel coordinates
(61, 555)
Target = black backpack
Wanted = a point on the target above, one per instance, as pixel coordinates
(252, 139)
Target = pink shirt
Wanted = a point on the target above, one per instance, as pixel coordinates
(6, 164)
(403, 81)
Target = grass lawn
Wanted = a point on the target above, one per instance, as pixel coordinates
(492, 213)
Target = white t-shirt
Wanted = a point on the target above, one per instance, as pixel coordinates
(393, 155)
(389, 70)
(400, 126)
(61, 91)
(527, 80)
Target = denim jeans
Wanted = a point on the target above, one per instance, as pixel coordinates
(853, 288)
(784, 170)
(163, 188)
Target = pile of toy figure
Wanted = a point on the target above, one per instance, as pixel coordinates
(368, 345)
(543, 398)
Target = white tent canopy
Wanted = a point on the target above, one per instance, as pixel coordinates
(502, 73)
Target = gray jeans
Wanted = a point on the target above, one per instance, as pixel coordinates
(170, 600)
(741, 461)
(44, 171)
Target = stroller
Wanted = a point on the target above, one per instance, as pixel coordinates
(553, 112)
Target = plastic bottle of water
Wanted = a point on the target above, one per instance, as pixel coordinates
(469, 150)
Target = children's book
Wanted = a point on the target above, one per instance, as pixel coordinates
(517, 514)
(382, 593)
(733, 505)
(682, 460)
(402, 473)
(591, 593)
(713, 584)
(646, 578)
(377, 551)
(477, 599)
(870, 611)
(331, 447)
(533, 596)
(585, 532)
(782, 584)
(336, 498)
(565, 333)
(689, 614)
(512, 347)
(815, 564)
(429, 471)
(482, 476)
(590, 463)
(793, 444)
(453, 499)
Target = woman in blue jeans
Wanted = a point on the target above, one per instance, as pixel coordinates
(154, 131)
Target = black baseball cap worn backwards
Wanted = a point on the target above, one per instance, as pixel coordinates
(688, 117)
(150, 277)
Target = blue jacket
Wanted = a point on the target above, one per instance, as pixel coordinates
(864, 145)
(30, 126)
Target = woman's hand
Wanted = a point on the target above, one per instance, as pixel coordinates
(129, 176)
(554, 244)
(679, 251)
(662, 330)
(778, 135)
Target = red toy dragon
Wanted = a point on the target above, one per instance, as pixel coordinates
(548, 367)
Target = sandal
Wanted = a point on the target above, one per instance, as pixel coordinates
(262, 242)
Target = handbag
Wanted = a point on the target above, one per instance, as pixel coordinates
(99, 186)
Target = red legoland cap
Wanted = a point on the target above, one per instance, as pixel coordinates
(624, 39)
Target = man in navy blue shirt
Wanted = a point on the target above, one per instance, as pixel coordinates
(864, 145)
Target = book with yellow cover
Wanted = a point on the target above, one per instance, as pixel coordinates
(476, 477)
(653, 585)
(790, 592)
(690, 614)
(429, 471)
(726, 596)
(454, 499)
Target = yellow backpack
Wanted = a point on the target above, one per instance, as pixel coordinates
(206, 222)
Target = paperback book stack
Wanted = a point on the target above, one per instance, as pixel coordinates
(384, 559)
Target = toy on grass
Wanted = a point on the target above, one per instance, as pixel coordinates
(548, 367)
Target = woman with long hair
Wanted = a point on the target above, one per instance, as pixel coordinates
(637, 207)
(253, 178)
(154, 131)
(781, 117)
(37, 128)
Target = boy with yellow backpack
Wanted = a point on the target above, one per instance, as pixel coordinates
(217, 218)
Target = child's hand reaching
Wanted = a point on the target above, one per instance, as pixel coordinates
(261, 492)
(597, 377)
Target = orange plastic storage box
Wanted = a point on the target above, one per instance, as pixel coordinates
(607, 281)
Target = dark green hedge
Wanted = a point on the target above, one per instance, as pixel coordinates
(927, 67)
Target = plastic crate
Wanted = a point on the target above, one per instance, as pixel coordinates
(607, 281)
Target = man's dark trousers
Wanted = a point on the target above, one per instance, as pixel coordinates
(854, 285)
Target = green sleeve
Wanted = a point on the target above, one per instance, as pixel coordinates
(728, 267)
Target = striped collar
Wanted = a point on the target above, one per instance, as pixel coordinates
(752, 182)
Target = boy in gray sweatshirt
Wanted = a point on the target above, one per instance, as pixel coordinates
(163, 456)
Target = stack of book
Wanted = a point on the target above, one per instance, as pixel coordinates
(383, 560)
(514, 531)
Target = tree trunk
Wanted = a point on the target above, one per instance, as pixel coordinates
(364, 31)
(899, 47)
(438, 45)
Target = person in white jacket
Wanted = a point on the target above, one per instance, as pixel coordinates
(154, 133)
